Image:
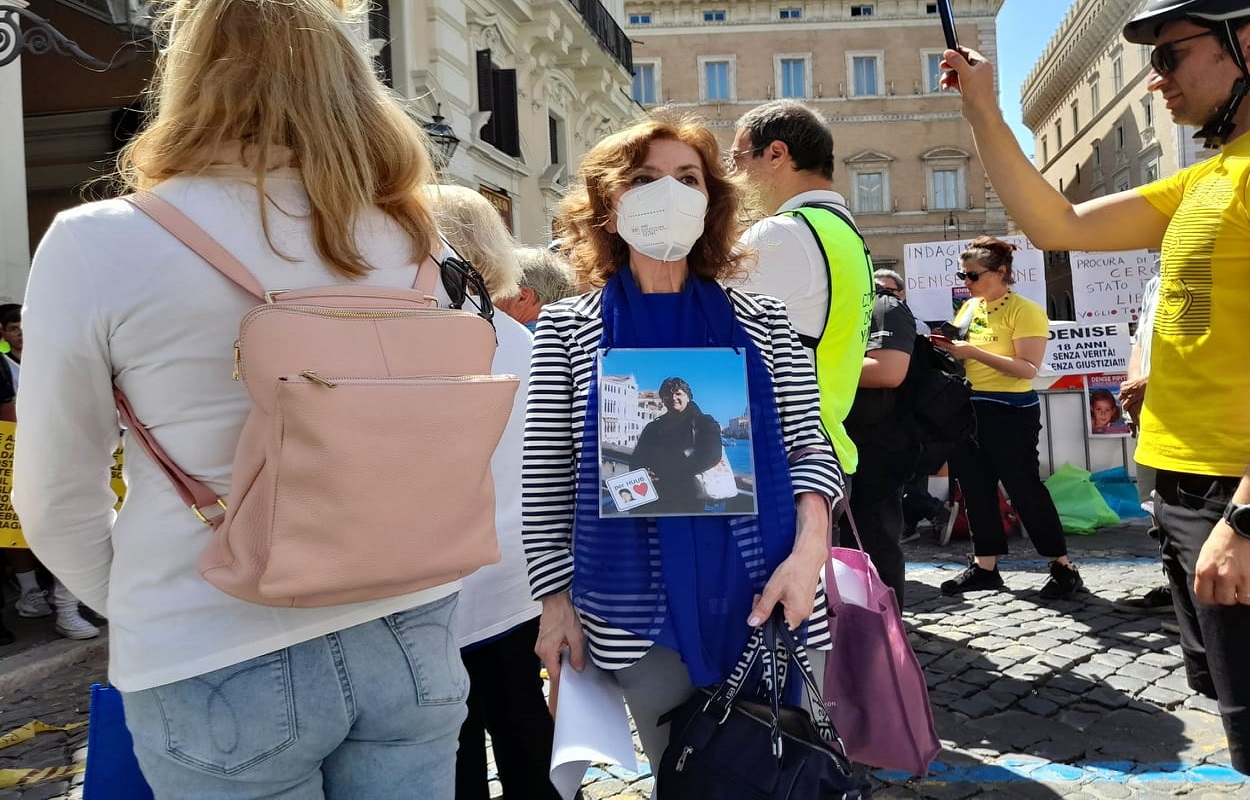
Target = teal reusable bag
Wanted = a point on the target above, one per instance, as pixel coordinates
(1081, 507)
(1118, 489)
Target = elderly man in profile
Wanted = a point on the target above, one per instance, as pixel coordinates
(545, 278)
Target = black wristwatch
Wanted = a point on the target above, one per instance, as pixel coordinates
(1237, 515)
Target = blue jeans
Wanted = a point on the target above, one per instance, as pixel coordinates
(365, 713)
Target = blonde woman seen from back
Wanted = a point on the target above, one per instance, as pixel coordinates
(270, 131)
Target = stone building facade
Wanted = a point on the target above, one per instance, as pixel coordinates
(905, 159)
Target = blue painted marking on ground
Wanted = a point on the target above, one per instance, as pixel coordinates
(1018, 770)
(1117, 561)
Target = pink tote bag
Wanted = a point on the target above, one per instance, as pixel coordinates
(874, 687)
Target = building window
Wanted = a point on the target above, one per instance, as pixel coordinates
(555, 139)
(1095, 97)
(945, 189)
(1148, 111)
(1122, 183)
(870, 192)
(930, 8)
(713, 16)
(790, 13)
(792, 77)
(1076, 117)
(497, 93)
(1119, 138)
(645, 83)
(932, 72)
(861, 11)
(717, 80)
(640, 19)
(1150, 173)
(865, 75)
(1097, 152)
(1058, 134)
(1117, 73)
(1045, 150)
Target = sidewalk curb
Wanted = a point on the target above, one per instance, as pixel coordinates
(32, 666)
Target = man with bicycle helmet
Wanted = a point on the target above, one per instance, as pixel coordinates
(1195, 424)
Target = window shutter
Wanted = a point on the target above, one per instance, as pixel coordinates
(507, 133)
(486, 95)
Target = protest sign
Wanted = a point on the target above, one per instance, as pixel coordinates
(1074, 348)
(1109, 286)
(1106, 414)
(933, 291)
(10, 528)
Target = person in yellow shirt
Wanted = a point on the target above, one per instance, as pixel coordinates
(1195, 423)
(1001, 351)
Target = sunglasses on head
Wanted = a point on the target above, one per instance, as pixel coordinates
(462, 282)
(971, 276)
(1164, 58)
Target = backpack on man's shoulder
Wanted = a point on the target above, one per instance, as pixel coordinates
(363, 468)
(938, 399)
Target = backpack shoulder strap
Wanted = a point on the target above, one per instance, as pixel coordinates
(182, 228)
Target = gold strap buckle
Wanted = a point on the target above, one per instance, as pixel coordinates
(197, 512)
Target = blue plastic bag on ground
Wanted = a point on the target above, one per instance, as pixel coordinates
(112, 770)
(1080, 505)
(1118, 489)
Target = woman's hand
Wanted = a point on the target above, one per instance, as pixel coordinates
(559, 629)
(972, 75)
(794, 582)
(958, 348)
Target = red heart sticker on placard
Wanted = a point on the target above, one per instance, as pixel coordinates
(640, 489)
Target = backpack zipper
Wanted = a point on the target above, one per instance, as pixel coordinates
(681, 760)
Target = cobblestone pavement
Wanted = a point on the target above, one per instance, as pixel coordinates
(1032, 699)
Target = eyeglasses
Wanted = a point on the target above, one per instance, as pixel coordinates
(462, 283)
(734, 157)
(972, 277)
(1164, 58)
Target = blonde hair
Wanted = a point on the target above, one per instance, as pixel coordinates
(476, 230)
(260, 81)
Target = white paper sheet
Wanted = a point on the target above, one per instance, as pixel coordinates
(591, 727)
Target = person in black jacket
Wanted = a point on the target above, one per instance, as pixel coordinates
(675, 447)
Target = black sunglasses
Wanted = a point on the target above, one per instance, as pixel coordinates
(462, 282)
(971, 276)
(1163, 58)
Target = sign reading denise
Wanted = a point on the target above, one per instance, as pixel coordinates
(1075, 348)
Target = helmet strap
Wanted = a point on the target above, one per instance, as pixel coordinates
(1221, 125)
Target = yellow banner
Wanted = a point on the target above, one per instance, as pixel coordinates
(10, 528)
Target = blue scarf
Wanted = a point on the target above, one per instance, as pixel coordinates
(686, 583)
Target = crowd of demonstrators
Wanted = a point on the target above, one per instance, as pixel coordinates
(1198, 218)
(665, 604)
(545, 278)
(1001, 339)
(496, 621)
(270, 130)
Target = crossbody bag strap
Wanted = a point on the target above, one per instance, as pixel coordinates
(182, 228)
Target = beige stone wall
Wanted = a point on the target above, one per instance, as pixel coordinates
(892, 131)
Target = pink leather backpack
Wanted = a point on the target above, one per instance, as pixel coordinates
(355, 477)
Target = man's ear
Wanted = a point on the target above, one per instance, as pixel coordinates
(777, 152)
(529, 297)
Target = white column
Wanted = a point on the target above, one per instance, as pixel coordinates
(14, 226)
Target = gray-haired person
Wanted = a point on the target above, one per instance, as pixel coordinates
(545, 278)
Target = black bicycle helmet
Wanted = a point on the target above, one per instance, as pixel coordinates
(1220, 16)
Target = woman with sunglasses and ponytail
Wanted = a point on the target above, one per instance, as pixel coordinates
(1001, 351)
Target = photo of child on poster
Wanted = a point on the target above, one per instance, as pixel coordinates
(674, 432)
(1106, 415)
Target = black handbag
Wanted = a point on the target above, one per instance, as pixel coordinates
(723, 746)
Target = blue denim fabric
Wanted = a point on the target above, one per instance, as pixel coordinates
(366, 713)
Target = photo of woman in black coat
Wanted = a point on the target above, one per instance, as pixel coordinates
(675, 447)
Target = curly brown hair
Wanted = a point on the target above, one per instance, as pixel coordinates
(584, 215)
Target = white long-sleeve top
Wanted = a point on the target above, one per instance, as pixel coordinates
(112, 296)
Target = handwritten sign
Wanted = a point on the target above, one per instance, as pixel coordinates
(1075, 348)
(1108, 286)
(930, 269)
(10, 527)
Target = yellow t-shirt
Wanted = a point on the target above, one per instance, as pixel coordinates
(1197, 413)
(994, 327)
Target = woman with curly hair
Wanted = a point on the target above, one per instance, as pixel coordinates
(666, 603)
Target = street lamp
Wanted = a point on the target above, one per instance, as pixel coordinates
(443, 137)
(950, 225)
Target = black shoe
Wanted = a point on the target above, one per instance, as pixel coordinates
(973, 579)
(1064, 581)
(909, 534)
(1156, 601)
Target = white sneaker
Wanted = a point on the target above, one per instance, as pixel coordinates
(33, 604)
(71, 625)
(948, 524)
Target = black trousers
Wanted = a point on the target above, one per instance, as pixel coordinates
(918, 504)
(506, 699)
(877, 505)
(1215, 640)
(1006, 451)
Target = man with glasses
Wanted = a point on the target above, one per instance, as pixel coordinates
(1195, 422)
(811, 255)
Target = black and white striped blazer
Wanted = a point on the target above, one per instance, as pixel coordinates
(565, 344)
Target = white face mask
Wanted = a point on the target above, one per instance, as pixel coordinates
(662, 219)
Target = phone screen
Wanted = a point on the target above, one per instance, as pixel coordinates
(948, 24)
